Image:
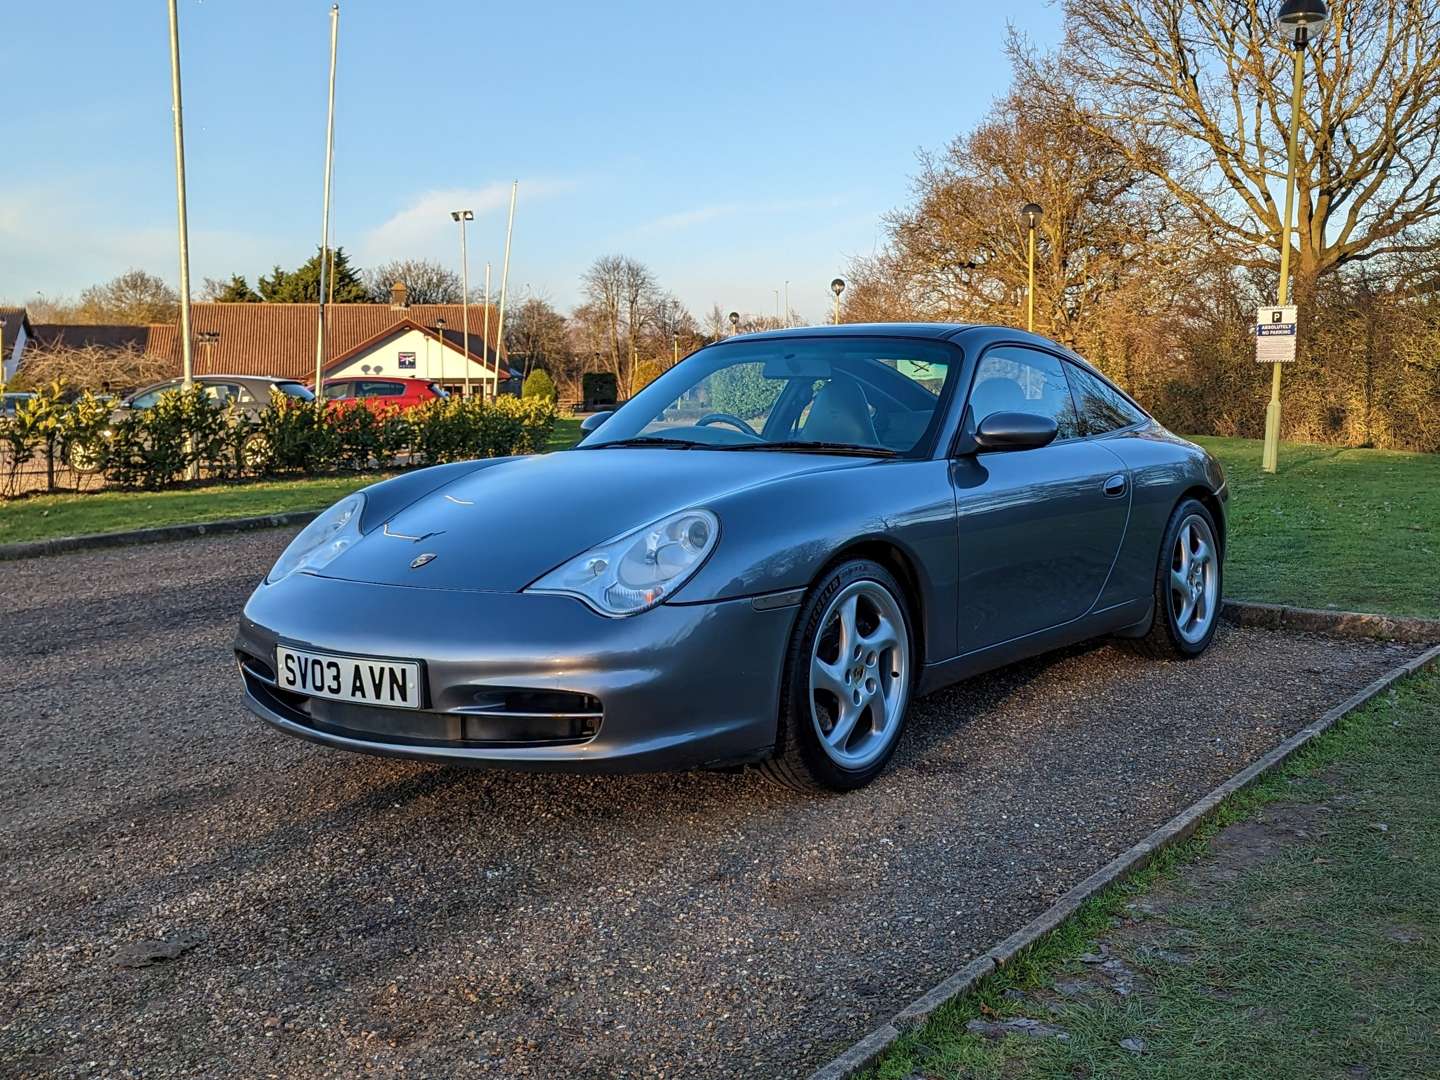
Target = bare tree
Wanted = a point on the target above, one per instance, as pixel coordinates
(427, 281)
(538, 336)
(1208, 84)
(1109, 239)
(133, 298)
(621, 291)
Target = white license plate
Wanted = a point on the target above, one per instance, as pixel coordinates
(361, 679)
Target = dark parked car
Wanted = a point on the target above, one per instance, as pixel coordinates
(761, 557)
(249, 395)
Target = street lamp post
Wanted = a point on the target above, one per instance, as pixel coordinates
(462, 216)
(1302, 19)
(837, 287)
(440, 333)
(1031, 214)
(4, 360)
(734, 322)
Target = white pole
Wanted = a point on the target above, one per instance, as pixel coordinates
(325, 214)
(787, 303)
(186, 350)
(504, 283)
(485, 333)
(465, 301)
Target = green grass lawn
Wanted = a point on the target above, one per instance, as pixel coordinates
(42, 517)
(1308, 948)
(1351, 529)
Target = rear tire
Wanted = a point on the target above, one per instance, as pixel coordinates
(1188, 587)
(849, 671)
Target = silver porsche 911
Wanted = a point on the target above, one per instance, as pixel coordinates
(761, 557)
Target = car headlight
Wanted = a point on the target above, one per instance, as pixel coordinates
(322, 541)
(634, 572)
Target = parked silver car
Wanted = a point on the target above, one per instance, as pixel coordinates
(762, 557)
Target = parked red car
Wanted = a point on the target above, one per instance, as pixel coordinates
(380, 395)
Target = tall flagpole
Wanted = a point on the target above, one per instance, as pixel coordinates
(504, 283)
(186, 350)
(325, 215)
(485, 338)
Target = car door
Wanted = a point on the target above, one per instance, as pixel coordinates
(1038, 530)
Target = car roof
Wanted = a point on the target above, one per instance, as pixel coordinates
(930, 331)
(896, 329)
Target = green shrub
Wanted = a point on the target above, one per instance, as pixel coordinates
(540, 385)
(298, 436)
(156, 447)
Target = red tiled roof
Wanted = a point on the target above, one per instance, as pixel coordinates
(279, 339)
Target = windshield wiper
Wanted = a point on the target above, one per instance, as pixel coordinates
(806, 447)
(644, 440)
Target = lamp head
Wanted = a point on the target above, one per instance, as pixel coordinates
(1300, 20)
(1031, 213)
(837, 286)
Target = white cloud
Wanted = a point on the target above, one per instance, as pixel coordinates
(423, 226)
(684, 219)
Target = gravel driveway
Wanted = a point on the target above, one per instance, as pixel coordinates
(184, 892)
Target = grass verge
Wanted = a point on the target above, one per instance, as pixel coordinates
(1356, 530)
(41, 517)
(1302, 944)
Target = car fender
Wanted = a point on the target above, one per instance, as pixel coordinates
(779, 536)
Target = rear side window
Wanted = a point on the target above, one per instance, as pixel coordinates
(1102, 407)
(295, 390)
(371, 388)
(339, 391)
(1015, 379)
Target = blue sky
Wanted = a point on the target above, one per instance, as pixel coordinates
(728, 146)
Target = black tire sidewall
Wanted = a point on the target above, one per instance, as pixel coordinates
(1165, 598)
(795, 718)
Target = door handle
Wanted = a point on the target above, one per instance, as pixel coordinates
(1115, 486)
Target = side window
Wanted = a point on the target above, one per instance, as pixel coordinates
(1015, 379)
(147, 400)
(1102, 407)
(222, 393)
(338, 391)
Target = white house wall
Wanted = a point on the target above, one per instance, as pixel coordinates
(384, 359)
(12, 362)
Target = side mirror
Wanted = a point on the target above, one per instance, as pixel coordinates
(1015, 431)
(594, 420)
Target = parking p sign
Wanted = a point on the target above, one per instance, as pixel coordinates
(1275, 335)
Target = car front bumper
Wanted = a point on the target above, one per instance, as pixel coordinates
(679, 686)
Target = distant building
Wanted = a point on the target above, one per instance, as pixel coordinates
(399, 340)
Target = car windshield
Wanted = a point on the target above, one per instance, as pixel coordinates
(295, 390)
(832, 394)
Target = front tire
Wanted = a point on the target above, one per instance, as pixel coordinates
(849, 672)
(1188, 593)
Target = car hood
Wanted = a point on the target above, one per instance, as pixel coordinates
(503, 525)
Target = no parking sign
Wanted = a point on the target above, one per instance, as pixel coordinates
(1275, 334)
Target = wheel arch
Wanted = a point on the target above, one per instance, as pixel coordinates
(895, 559)
(1211, 502)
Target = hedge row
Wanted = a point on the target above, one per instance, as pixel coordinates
(158, 447)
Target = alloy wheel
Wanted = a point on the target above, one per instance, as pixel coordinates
(1194, 579)
(859, 674)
